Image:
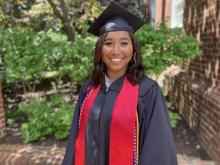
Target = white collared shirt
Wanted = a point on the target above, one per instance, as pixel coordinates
(107, 82)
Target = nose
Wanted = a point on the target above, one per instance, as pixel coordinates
(116, 49)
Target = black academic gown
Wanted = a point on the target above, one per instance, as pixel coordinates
(156, 145)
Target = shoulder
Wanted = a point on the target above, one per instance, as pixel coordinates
(146, 85)
(84, 88)
(85, 84)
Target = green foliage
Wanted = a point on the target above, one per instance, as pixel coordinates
(28, 13)
(39, 15)
(46, 117)
(131, 5)
(86, 12)
(23, 54)
(81, 62)
(12, 116)
(164, 46)
(173, 116)
(30, 56)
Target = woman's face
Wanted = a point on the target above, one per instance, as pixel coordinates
(117, 52)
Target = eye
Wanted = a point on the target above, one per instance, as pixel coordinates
(124, 43)
(107, 43)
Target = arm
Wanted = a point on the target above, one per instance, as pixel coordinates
(156, 139)
(69, 154)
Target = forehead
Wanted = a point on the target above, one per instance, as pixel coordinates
(118, 35)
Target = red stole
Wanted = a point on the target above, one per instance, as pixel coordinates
(123, 126)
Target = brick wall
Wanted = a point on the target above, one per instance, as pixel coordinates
(2, 116)
(196, 90)
(163, 11)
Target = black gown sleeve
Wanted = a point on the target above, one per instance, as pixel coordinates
(69, 154)
(156, 138)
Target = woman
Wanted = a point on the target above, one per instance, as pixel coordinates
(121, 118)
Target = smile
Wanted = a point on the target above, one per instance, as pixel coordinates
(116, 59)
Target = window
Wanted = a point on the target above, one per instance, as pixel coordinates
(177, 13)
(153, 11)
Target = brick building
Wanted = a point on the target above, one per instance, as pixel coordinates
(170, 11)
(196, 89)
(2, 116)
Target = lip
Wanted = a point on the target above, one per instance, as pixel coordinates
(116, 59)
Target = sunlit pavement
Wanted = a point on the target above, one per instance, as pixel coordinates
(30, 155)
(53, 155)
(188, 160)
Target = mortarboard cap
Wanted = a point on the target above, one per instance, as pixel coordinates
(115, 18)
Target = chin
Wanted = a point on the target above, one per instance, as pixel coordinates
(117, 70)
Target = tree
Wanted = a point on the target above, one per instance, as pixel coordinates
(25, 13)
(132, 5)
(78, 13)
(64, 16)
(164, 47)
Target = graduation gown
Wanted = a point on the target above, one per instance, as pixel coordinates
(156, 145)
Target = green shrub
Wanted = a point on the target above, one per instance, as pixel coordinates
(46, 117)
(164, 46)
(79, 64)
(62, 117)
(30, 56)
(12, 115)
(173, 116)
(22, 53)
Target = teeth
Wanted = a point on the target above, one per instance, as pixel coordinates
(116, 59)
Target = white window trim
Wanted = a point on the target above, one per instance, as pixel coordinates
(176, 15)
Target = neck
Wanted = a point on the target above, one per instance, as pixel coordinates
(112, 76)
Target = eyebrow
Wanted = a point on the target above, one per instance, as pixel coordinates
(124, 38)
(109, 39)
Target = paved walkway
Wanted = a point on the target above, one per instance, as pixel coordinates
(30, 155)
(188, 160)
(52, 155)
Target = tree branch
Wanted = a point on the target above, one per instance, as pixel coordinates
(64, 18)
(55, 10)
(64, 11)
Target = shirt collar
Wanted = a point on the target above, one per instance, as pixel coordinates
(107, 82)
(114, 86)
